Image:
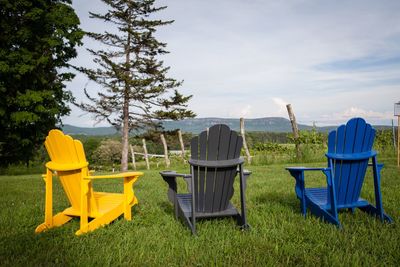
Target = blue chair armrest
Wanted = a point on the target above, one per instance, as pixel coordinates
(298, 174)
(306, 169)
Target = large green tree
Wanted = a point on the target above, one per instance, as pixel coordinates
(37, 39)
(136, 91)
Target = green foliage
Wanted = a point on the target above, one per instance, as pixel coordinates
(271, 147)
(37, 40)
(109, 151)
(311, 145)
(91, 144)
(384, 142)
(309, 137)
(252, 138)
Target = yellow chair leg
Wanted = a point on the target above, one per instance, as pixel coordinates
(61, 219)
(84, 206)
(41, 228)
(100, 221)
(48, 210)
(58, 220)
(129, 196)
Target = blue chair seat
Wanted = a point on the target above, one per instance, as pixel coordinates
(319, 196)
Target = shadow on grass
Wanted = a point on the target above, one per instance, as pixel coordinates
(44, 248)
(167, 207)
(285, 200)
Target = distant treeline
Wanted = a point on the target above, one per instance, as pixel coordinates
(105, 150)
(266, 137)
(92, 144)
(154, 145)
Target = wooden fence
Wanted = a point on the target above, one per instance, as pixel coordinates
(182, 152)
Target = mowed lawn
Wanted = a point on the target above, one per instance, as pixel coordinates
(279, 234)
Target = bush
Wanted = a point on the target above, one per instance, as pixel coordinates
(109, 152)
(384, 143)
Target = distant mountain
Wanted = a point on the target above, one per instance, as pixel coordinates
(269, 124)
(74, 130)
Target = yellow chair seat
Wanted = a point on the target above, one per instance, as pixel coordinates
(104, 202)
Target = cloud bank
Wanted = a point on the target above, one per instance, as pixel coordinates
(329, 59)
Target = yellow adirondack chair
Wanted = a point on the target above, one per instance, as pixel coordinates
(68, 162)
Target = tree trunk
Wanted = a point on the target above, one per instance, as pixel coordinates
(167, 161)
(295, 129)
(246, 149)
(125, 126)
(125, 136)
(182, 145)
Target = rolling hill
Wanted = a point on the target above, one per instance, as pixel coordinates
(269, 124)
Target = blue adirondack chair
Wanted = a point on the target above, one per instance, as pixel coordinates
(349, 152)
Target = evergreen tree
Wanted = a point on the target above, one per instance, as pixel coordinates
(37, 39)
(137, 91)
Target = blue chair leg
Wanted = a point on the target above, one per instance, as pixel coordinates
(300, 189)
(378, 209)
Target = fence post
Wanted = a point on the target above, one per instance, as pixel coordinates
(246, 149)
(398, 141)
(294, 128)
(167, 161)
(182, 145)
(146, 157)
(133, 157)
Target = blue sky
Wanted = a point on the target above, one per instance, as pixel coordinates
(331, 60)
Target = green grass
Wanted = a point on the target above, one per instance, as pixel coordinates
(279, 234)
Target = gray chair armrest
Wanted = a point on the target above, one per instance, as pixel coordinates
(170, 178)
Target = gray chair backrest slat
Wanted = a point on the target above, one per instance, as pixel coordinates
(214, 186)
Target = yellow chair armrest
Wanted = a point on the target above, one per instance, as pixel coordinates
(118, 175)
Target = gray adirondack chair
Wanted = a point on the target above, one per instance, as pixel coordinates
(215, 161)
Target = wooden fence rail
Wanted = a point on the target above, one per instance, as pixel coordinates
(146, 155)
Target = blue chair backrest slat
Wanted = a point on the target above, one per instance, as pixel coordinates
(338, 147)
(348, 145)
(355, 139)
(367, 147)
(356, 168)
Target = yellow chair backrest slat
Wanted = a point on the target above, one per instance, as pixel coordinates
(63, 149)
(68, 159)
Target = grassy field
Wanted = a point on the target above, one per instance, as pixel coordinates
(279, 234)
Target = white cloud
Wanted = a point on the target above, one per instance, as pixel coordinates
(235, 65)
(369, 115)
(246, 112)
(282, 110)
(358, 112)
